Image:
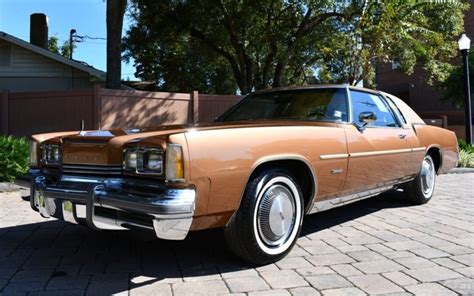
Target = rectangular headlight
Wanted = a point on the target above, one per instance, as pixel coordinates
(33, 153)
(143, 161)
(51, 154)
(153, 161)
(130, 158)
(174, 163)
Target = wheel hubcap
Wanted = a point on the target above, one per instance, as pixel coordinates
(427, 176)
(276, 215)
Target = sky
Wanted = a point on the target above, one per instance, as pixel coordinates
(86, 16)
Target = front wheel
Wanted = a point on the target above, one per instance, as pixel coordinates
(420, 190)
(268, 221)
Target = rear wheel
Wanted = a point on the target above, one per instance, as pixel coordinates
(420, 190)
(268, 222)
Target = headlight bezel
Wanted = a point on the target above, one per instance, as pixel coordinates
(51, 154)
(142, 155)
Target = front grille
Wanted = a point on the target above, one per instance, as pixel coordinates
(86, 169)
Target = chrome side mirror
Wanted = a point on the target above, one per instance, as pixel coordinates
(367, 117)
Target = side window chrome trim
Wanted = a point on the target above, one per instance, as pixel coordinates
(402, 121)
(349, 104)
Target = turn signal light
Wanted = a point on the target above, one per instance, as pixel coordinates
(174, 163)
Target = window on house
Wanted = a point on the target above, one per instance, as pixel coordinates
(5, 55)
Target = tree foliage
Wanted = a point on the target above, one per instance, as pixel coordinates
(64, 50)
(13, 158)
(453, 86)
(221, 45)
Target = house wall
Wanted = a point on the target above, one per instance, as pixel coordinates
(29, 71)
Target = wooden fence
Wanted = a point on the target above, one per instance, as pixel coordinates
(24, 114)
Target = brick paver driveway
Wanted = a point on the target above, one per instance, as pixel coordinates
(378, 246)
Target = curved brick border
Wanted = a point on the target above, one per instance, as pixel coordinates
(461, 171)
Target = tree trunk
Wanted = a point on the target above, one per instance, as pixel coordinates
(115, 13)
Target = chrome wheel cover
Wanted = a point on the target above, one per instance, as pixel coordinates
(427, 176)
(277, 215)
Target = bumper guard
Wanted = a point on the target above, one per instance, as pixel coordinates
(170, 212)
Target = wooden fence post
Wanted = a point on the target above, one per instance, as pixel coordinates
(97, 103)
(195, 106)
(5, 112)
(444, 119)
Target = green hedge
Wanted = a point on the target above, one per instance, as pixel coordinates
(13, 158)
(465, 146)
(466, 154)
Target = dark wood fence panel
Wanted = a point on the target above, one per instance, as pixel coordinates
(212, 106)
(25, 114)
(30, 113)
(126, 109)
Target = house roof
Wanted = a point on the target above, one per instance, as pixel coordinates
(48, 54)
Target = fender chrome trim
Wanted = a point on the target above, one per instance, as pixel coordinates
(418, 149)
(334, 156)
(379, 152)
(370, 153)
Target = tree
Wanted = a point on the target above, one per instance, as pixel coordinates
(64, 50)
(259, 42)
(115, 14)
(53, 44)
(271, 43)
(453, 86)
(411, 33)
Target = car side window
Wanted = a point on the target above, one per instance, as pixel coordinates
(321, 104)
(396, 109)
(367, 102)
(318, 104)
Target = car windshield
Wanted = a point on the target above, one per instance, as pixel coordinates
(323, 104)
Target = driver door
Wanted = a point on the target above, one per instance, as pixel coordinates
(380, 152)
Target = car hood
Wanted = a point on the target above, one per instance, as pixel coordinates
(122, 136)
(105, 147)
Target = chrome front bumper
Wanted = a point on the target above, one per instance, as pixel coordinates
(105, 204)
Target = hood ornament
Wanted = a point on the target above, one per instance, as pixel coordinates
(82, 132)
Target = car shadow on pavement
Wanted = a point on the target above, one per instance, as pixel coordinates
(74, 257)
(319, 221)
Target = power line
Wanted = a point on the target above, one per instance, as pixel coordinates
(78, 38)
(94, 38)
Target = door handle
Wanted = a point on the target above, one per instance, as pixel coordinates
(402, 136)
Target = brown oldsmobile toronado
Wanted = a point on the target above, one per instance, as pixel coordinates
(274, 157)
